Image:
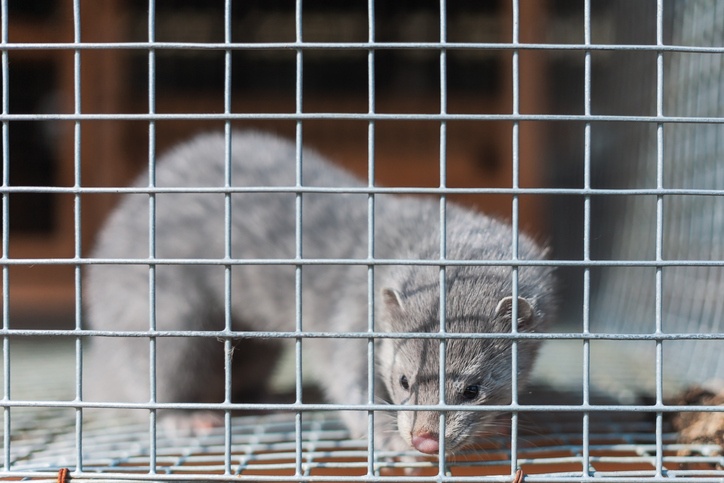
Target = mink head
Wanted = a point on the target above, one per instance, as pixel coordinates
(478, 370)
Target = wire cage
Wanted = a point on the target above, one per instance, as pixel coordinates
(592, 125)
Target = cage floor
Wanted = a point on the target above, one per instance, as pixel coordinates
(313, 446)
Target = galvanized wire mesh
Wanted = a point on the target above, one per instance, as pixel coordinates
(683, 159)
(273, 447)
(669, 308)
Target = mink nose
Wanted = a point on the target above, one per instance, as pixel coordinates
(427, 443)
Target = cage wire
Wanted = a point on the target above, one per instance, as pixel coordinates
(662, 297)
(685, 226)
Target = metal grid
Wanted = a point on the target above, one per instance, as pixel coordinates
(265, 447)
(302, 445)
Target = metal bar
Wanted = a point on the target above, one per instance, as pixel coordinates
(152, 415)
(515, 223)
(7, 396)
(371, 289)
(351, 116)
(585, 329)
(298, 227)
(442, 309)
(659, 277)
(228, 242)
(364, 46)
(19, 333)
(328, 407)
(376, 262)
(77, 234)
(437, 191)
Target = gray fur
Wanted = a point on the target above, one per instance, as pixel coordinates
(334, 298)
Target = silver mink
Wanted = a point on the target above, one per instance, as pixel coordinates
(334, 298)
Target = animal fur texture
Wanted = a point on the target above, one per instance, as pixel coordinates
(700, 427)
(334, 297)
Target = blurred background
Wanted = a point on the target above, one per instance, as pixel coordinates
(115, 81)
(407, 81)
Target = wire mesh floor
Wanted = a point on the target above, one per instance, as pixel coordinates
(43, 440)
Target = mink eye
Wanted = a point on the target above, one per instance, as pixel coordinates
(471, 392)
(404, 383)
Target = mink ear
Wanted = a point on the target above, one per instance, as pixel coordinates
(392, 300)
(393, 308)
(525, 312)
